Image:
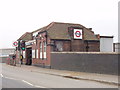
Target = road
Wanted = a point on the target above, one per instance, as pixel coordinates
(15, 77)
(14, 83)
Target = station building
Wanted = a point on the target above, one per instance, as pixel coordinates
(57, 37)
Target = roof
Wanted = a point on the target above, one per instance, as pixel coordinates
(26, 36)
(59, 30)
(44, 28)
(106, 36)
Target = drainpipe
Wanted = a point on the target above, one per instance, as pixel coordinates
(87, 47)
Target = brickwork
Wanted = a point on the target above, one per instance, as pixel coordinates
(38, 60)
(77, 45)
(57, 37)
(93, 46)
(103, 63)
(66, 45)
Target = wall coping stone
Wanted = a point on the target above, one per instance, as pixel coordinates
(86, 52)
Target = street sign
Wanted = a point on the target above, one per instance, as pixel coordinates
(15, 43)
(77, 33)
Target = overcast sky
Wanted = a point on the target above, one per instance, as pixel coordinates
(20, 16)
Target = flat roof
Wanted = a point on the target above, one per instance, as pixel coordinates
(106, 36)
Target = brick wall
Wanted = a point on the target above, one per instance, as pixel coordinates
(76, 45)
(94, 46)
(66, 46)
(3, 59)
(105, 63)
(38, 60)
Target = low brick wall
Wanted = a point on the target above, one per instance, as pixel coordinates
(104, 63)
(3, 59)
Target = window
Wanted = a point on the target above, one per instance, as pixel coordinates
(33, 53)
(59, 46)
(40, 50)
(45, 50)
(37, 53)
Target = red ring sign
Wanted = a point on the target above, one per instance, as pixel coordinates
(15, 44)
(77, 33)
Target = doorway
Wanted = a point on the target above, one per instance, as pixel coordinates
(28, 56)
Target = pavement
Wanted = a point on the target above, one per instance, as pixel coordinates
(102, 78)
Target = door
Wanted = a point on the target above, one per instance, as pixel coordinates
(28, 56)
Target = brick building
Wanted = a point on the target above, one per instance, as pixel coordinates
(57, 37)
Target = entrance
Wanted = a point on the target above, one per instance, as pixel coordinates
(28, 56)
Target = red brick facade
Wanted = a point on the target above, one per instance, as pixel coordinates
(58, 37)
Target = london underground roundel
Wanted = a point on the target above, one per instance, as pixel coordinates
(77, 34)
(15, 43)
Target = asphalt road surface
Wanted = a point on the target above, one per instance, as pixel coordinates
(14, 83)
(14, 77)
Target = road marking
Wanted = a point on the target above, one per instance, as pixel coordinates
(27, 82)
(7, 77)
(11, 78)
(1, 75)
(39, 86)
(23, 81)
(33, 85)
